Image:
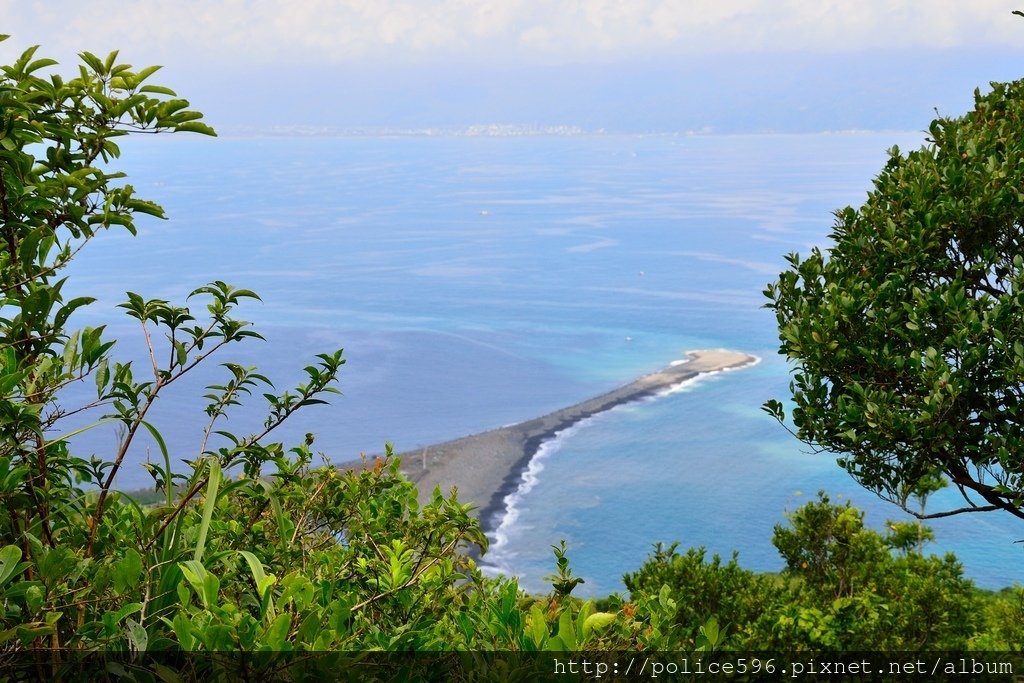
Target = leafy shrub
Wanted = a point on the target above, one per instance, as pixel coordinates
(699, 589)
(851, 588)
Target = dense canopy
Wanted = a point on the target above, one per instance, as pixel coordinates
(907, 334)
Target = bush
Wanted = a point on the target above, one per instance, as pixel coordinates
(700, 589)
(852, 588)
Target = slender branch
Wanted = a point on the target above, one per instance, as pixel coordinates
(61, 414)
(43, 506)
(152, 354)
(240, 448)
(177, 510)
(213, 418)
(118, 459)
(196, 361)
(997, 500)
(9, 231)
(171, 356)
(5, 207)
(305, 510)
(947, 513)
(376, 548)
(256, 514)
(133, 428)
(412, 579)
(26, 549)
(419, 560)
(49, 270)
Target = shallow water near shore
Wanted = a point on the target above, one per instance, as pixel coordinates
(478, 282)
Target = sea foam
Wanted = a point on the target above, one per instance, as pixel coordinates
(498, 559)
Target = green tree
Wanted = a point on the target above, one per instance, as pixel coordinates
(907, 334)
(829, 549)
(58, 138)
(844, 587)
(56, 196)
(1003, 625)
(851, 588)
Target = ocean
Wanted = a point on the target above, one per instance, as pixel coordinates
(479, 281)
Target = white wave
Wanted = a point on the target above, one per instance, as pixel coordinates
(684, 386)
(496, 561)
(688, 384)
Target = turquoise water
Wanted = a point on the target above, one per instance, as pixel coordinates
(476, 282)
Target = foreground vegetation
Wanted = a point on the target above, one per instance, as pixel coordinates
(257, 546)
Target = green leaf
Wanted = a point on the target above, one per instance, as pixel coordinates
(195, 127)
(586, 609)
(211, 589)
(56, 564)
(556, 644)
(137, 635)
(35, 597)
(275, 635)
(158, 90)
(567, 631)
(29, 632)
(598, 621)
(184, 596)
(10, 563)
(127, 570)
(39, 64)
(148, 208)
(210, 502)
(262, 580)
(183, 631)
(93, 62)
(537, 626)
(112, 619)
(181, 353)
(195, 573)
(166, 674)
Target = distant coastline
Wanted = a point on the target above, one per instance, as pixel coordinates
(487, 467)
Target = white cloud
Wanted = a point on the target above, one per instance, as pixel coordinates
(339, 31)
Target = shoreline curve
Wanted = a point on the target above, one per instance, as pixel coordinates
(487, 467)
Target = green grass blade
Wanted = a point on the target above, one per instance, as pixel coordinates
(162, 445)
(212, 485)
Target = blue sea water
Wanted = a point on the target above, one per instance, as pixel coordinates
(480, 281)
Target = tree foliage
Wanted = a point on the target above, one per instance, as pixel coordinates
(701, 588)
(853, 588)
(844, 587)
(907, 333)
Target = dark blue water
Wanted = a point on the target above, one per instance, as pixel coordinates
(476, 282)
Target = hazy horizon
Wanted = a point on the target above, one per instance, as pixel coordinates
(641, 67)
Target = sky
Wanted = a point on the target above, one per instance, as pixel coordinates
(615, 65)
